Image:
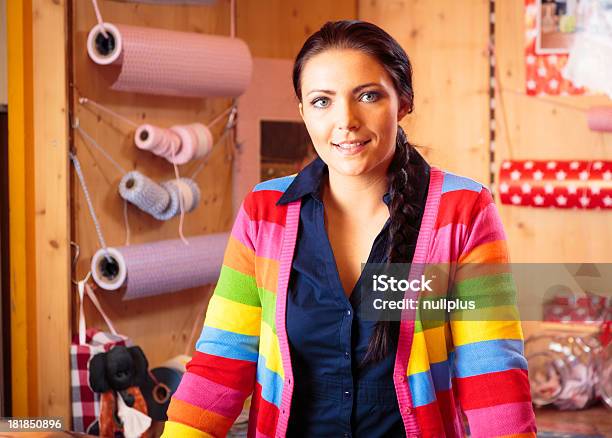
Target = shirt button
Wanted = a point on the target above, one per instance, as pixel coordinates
(408, 410)
(346, 355)
(347, 394)
(348, 312)
(401, 378)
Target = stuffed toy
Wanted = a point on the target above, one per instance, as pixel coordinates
(118, 375)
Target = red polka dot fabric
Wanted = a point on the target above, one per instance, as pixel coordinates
(543, 72)
(575, 184)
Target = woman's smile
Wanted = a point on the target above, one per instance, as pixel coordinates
(348, 148)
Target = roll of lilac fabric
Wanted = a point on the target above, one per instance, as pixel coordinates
(163, 267)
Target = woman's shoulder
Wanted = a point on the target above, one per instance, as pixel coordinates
(275, 184)
(452, 182)
(462, 197)
(265, 195)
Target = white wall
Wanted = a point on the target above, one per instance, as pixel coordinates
(3, 62)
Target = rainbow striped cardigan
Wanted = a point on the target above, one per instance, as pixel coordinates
(471, 367)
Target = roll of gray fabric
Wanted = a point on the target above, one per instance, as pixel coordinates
(144, 193)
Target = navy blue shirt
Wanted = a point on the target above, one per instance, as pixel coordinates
(333, 396)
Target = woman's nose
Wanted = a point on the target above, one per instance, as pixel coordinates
(347, 118)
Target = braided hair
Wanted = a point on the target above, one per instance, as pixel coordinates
(402, 175)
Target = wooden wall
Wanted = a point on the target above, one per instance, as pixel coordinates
(275, 29)
(446, 42)
(160, 325)
(544, 129)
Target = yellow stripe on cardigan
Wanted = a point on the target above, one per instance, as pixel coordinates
(239, 257)
(234, 317)
(419, 358)
(429, 346)
(267, 273)
(469, 332)
(173, 429)
(435, 339)
(269, 348)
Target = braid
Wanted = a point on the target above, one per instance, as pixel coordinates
(404, 213)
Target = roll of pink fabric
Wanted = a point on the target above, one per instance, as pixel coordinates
(600, 118)
(164, 62)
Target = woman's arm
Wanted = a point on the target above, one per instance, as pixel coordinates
(221, 374)
(490, 371)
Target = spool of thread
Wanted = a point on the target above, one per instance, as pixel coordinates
(164, 62)
(600, 118)
(179, 144)
(205, 139)
(185, 187)
(144, 193)
(160, 141)
(160, 267)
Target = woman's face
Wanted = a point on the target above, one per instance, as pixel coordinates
(351, 110)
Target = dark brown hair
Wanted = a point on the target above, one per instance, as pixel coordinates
(372, 40)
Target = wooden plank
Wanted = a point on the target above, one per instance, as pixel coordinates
(21, 207)
(446, 42)
(51, 213)
(278, 28)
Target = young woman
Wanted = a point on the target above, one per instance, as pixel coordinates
(284, 324)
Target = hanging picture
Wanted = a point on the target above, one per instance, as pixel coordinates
(550, 27)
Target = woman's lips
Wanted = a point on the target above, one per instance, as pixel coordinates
(350, 148)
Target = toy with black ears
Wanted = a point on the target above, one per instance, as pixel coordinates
(118, 375)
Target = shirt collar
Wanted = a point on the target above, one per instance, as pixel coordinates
(308, 180)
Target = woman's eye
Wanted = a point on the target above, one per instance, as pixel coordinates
(369, 97)
(320, 102)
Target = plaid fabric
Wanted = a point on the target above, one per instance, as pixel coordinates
(85, 402)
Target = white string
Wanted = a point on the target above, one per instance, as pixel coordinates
(85, 100)
(180, 198)
(126, 222)
(220, 116)
(92, 212)
(103, 151)
(99, 18)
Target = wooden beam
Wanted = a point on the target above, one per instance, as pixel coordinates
(52, 207)
(21, 175)
(39, 208)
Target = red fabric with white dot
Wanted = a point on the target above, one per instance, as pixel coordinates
(556, 184)
(543, 72)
